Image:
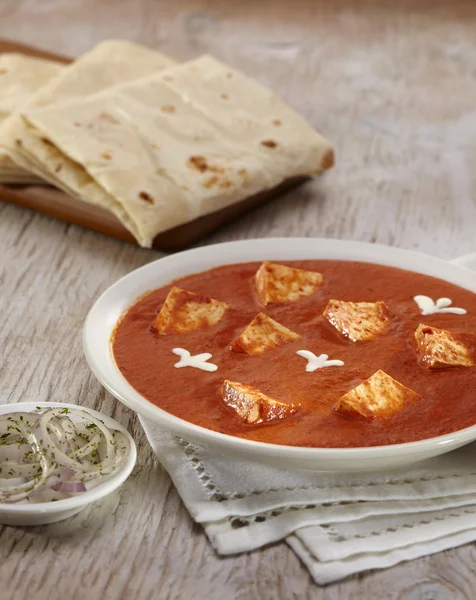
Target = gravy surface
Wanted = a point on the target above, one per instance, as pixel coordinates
(448, 401)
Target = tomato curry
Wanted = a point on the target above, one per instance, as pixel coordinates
(436, 401)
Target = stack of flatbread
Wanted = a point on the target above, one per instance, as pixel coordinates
(20, 77)
(155, 142)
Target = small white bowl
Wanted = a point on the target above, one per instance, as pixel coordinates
(42, 513)
(107, 310)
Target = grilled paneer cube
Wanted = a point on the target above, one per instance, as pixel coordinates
(184, 311)
(278, 284)
(262, 334)
(358, 321)
(378, 396)
(252, 406)
(440, 349)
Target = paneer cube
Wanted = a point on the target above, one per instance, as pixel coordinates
(184, 311)
(378, 396)
(358, 321)
(440, 349)
(262, 334)
(252, 406)
(278, 284)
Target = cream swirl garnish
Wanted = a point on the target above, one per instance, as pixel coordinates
(318, 362)
(442, 305)
(199, 361)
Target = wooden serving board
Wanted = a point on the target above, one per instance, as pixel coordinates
(55, 203)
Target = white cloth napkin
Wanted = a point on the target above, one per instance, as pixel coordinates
(338, 524)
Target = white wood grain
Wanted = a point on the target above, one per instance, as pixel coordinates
(394, 88)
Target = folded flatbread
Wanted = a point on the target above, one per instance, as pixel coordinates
(109, 63)
(20, 77)
(173, 146)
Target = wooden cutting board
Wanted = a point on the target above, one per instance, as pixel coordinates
(55, 203)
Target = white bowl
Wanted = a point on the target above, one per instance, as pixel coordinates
(42, 513)
(105, 313)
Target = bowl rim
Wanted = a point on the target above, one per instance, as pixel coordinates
(97, 492)
(339, 250)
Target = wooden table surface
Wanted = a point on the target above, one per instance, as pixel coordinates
(395, 88)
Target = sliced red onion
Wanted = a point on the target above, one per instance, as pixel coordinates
(50, 453)
(72, 487)
(60, 477)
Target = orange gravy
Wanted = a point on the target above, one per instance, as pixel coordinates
(448, 400)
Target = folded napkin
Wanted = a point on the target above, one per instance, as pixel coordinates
(337, 523)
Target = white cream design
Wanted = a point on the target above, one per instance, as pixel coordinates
(199, 361)
(318, 362)
(442, 305)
